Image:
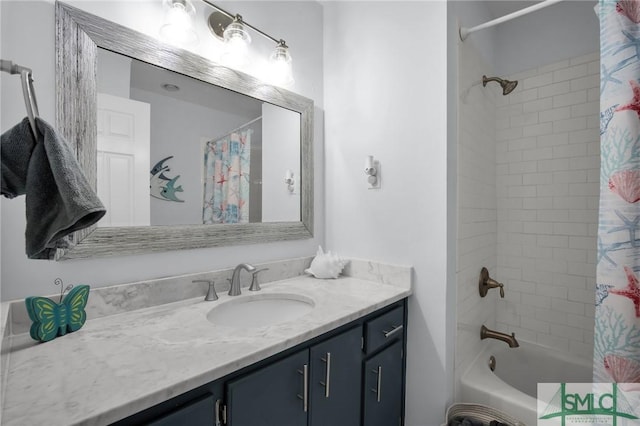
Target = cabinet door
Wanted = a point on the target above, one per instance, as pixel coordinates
(274, 395)
(383, 391)
(198, 413)
(336, 380)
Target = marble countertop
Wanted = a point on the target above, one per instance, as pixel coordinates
(122, 363)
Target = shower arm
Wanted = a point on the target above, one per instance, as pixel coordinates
(485, 80)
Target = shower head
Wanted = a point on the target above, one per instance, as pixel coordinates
(507, 86)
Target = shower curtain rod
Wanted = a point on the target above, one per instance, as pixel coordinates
(464, 31)
(238, 128)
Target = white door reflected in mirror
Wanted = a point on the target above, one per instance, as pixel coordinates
(123, 160)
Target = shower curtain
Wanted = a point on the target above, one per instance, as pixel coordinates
(226, 184)
(617, 317)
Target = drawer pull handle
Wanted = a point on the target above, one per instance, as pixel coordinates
(305, 390)
(378, 388)
(327, 379)
(396, 329)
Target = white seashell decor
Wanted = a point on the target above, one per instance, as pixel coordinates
(325, 265)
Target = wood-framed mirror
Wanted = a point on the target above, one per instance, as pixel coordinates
(80, 37)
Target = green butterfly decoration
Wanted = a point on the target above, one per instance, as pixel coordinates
(51, 319)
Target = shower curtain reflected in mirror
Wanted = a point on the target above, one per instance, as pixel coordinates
(227, 178)
(617, 318)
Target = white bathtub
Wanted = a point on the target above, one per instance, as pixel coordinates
(512, 387)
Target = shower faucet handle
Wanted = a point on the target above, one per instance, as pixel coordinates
(485, 283)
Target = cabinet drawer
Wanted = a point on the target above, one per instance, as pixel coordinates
(386, 328)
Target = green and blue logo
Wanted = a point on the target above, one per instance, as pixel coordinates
(585, 403)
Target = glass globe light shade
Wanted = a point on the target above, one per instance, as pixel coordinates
(236, 45)
(178, 23)
(280, 67)
(235, 33)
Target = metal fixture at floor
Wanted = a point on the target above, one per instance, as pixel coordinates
(486, 333)
(486, 282)
(507, 85)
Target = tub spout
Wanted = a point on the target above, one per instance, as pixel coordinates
(485, 333)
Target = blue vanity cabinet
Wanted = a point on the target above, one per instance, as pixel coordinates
(351, 376)
(384, 369)
(383, 387)
(199, 407)
(272, 395)
(198, 412)
(319, 386)
(335, 382)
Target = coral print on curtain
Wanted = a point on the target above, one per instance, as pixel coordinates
(226, 186)
(617, 321)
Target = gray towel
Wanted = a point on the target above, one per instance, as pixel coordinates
(59, 200)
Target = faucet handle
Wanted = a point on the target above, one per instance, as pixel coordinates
(486, 282)
(211, 293)
(255, 286)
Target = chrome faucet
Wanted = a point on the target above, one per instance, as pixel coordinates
(235, 278)
(485, 333)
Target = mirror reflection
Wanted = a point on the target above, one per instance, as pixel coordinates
(173, 150)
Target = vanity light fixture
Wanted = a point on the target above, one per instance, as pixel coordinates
(289, 180)
(236, 43)
(280, 69)
(178, 23)
(232, 30)
(372, 170)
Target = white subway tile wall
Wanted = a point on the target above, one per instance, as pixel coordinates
(477, 213)
(547, 189)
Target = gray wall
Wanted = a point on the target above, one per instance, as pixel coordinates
(27, 37)
(385, 92)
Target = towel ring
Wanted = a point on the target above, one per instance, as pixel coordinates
(29, 93)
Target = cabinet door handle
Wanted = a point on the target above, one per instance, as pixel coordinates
(220, 408)
(327, 379)
(394, 330)
(305, 387)
(378, 388)
(217, 413)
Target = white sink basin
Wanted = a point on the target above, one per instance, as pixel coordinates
(260, 310)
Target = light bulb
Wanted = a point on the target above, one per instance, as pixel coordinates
(178, 23)
(236, 44)
(280, 68)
